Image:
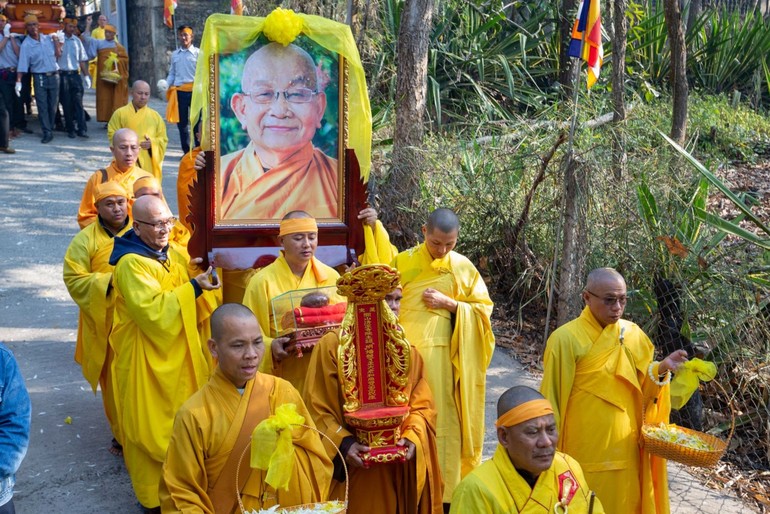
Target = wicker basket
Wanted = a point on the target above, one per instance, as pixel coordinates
(691, 456)
(112, 77)
(296, 508)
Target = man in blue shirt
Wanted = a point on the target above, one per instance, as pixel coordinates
(38, 56)
(180, 80)
(15, 416)
(73, 72)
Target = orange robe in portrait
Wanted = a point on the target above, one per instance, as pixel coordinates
(414, 487)
(305, 181)
(109, 96)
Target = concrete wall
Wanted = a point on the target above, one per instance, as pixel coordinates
(151, 41)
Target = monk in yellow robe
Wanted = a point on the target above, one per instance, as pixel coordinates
(295, 268)
(600, 376)
(111, 57)
(281, 105)
(526, 474)
(148, 125)
(122, 169)
(87, 275)
(446, 315)
(177, 239)
(213, 428)
(159, 359)
(411, 487)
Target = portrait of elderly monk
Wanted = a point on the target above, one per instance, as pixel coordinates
(280, 106)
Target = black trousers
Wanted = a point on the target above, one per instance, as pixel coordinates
(7, 94)
(71, 98)
(12, 102)
(184, 99)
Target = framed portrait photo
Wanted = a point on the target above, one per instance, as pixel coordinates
(277, 130)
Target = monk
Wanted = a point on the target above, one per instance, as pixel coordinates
(281, 106)
(178, 239)
(88, 276)
(411, 487)
(148, 125)
(446, 316)
(159, 359)
(110, 56)
(526, 474)
(295, 268)
(600, 376)
(214, 426)
(122, 169)
(97, 33)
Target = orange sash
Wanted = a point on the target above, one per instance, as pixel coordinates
(221, 493)
(172, 109)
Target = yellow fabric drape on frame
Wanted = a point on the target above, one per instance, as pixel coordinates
(226, 33)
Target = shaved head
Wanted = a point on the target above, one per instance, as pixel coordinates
(514, 397)
(296, 215)
(304, 72)
(222, 316)
(124, 134)
(601, 276)
(443, 219)
(125, 148)
(145, 206)
(140, 94)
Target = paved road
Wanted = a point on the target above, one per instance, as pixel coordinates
(68, 467)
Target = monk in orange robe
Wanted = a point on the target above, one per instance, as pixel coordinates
(213, 428)
(412, 487)
(110, 96)
(122, 169)
(281, 106)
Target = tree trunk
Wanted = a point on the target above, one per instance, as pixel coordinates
(678, 69)
(696, 7)
(572, 262)
(620, 31)
(567, 15)
(411, 98)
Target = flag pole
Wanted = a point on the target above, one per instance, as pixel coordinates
(173, 27)
(567, 161)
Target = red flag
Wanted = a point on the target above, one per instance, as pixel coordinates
(236, 7)
(586, 41)
(169, 6)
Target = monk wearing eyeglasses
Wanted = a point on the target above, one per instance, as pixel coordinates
(601, 377)
(281, 106)
(159, 357)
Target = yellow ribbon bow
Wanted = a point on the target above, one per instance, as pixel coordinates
(272, 447)
(687, 378)
(283, 26)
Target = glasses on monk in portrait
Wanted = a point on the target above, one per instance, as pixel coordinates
(609, 301)
(298, 95)
(167, 224)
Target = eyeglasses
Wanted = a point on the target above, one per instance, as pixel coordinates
(610, 300)
(299, 95)
(167, 224)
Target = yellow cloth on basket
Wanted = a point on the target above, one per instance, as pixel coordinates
(272, 448)
(687, 378)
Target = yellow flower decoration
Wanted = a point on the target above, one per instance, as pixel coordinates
(283, 26)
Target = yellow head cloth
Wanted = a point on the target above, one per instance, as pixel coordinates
(272, 447)
(110, 28)
(109, 188)
(226, 34)
(3, 17)
(30, 18)
(146, 181)
(524, 412)
(297, 225)
(186, 30)
(71, 21)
